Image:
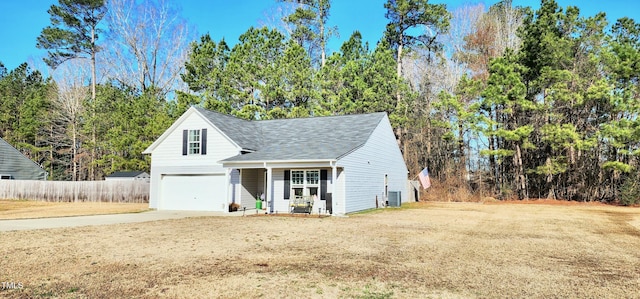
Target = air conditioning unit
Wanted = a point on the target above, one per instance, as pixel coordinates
(395, 198)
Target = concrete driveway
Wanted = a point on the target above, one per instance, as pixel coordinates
(45, 223)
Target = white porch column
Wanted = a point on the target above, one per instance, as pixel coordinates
(269, 191)
(229, 192)
(334, 182)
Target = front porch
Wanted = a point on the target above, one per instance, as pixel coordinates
(301, 188)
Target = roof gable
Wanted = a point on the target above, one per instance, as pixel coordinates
(313, 138)
(198, 112)
(125, 174)
(244, 133)
(14, 163)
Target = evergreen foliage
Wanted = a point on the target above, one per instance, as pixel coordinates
(531, 103)
(73, 31)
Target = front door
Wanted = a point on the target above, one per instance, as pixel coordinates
(315, 198)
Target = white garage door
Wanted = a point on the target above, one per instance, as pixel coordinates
(193, 192)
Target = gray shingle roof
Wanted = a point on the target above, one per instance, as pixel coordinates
(314, 138)
(125, 174)
(241, 131)
(14, 163)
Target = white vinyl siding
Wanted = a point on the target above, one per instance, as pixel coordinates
(236, 187)
(339, 193)
(283, 206)
(280, 205)
(167, 157)
(250, 188)
(365, 169)
(169, 152)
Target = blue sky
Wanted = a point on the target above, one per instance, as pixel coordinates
(22, 20)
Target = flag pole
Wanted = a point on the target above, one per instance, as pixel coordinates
(415, 176)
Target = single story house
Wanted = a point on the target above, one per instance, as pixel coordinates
(16, 166)
(339, 164)
(128, 176)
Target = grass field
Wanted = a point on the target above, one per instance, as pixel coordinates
(434, 250)
(21, 209)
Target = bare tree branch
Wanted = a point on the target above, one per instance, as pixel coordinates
(147, 46)
(72, 81)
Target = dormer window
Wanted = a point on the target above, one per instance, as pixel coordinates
(194, 142)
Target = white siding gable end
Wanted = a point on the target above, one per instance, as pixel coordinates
(167, 158)
(366, 167)
(179, 125)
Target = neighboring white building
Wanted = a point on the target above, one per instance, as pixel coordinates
(207, 160)
(128, 176)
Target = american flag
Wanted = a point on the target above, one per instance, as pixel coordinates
(424, 178)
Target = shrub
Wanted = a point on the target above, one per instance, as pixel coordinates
(630, 191)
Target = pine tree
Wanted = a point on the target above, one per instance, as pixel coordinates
(505, 96)
(207, 76)
(403, 15)
(73, 34)
(310, 27)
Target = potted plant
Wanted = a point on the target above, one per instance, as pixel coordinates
(261, 198)
(233, 207)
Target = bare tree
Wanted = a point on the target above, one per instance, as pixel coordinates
(473, 38)
(430, 74)
(508, 19)
(463, 22)
(147, 46)
(274, 16)
(492, 34)
(73, 91)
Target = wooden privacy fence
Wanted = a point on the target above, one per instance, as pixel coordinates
(85, 191)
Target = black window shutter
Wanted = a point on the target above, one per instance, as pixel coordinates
(323, 184)
(287, 177)
(185, 138)
(203, 146)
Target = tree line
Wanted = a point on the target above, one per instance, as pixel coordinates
(500, 101)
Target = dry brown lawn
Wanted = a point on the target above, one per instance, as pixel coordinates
(434, 250)
(21, 209)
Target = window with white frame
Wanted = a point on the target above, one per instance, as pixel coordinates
(194, 142)
(297, 177)
(313, 177)
(305, 182)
